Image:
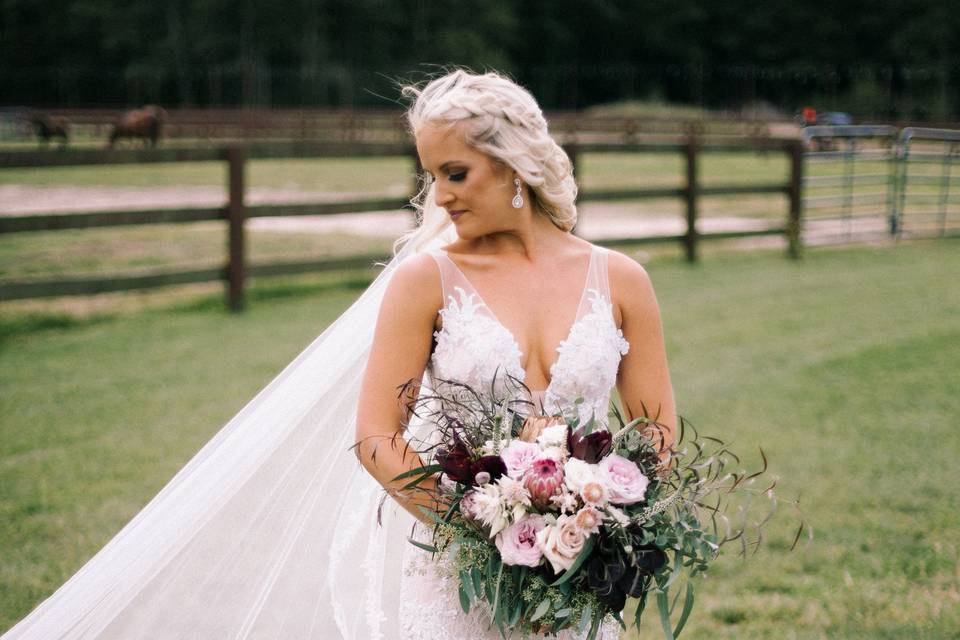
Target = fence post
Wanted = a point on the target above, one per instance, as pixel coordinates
(690, 238)
(794, 218)
(236, 213)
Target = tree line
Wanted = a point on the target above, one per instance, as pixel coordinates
(897, 59)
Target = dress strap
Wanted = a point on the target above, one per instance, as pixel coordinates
(600, 273)
(451, 277)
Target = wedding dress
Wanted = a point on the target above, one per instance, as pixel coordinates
(270, 531)
(471, 347)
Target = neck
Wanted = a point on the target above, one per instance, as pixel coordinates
(534, 236)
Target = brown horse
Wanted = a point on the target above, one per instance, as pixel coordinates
(47, 127)
(146, 123)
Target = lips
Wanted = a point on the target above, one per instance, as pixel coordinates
(457, 214)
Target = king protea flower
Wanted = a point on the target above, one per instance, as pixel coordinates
(543, 480)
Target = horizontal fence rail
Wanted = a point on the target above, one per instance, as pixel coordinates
(390, 125)
(236, 271)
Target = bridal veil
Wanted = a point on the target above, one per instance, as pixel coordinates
(270, 530)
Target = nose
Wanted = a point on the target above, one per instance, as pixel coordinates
(441, 196)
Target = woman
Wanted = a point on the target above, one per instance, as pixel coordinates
(514, 287)
(271, 531)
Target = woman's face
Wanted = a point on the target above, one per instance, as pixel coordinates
(467, 182)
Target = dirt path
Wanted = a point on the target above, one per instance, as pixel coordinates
(598, 220)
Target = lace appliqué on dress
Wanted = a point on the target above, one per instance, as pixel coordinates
(472, 346)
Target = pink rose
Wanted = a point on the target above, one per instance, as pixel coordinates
(518, 542)
(625, 483)
(518, 456)
(562, 542)
(469, 507)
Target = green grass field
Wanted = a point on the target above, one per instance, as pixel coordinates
(843, 366)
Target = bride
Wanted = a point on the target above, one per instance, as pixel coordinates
(273, 530)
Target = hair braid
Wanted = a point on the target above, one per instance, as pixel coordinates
(504, 121)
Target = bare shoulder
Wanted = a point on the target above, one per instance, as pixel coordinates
(416, 288)
(631, 289)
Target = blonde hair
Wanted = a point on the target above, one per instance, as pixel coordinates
(502, 120)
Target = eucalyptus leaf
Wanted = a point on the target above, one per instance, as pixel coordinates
(664, 606)
(541, 610)
(425, 547)
(687, 608)
(586, 618)
(467, 585)
(464, 600)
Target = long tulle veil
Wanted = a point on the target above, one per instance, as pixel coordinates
(269, 531)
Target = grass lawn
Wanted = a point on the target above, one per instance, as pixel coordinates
(843, 366)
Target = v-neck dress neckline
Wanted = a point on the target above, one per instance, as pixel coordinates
(578, 316)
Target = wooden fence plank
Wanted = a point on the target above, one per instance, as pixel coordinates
(91, 219)
(236, 163)
(67, 286)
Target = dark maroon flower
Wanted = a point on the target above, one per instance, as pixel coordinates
(589, 448)
(455, 462)
(494, 465)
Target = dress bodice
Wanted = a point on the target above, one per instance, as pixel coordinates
(473, 347)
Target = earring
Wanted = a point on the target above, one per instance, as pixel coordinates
(517, 201)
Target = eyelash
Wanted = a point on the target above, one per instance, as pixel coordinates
(456, 177)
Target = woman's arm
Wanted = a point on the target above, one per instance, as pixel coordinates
(644, 378)
(399, 353)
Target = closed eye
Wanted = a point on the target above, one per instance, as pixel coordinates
(458, 177)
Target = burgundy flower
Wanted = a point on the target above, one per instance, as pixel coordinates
(543, 480)
(589, 448)
(455, 462)
(494, 465)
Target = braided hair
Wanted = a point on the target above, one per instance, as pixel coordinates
(501, 119)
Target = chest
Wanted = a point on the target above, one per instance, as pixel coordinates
(558, 338)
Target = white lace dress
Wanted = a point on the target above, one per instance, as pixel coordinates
(470, 348)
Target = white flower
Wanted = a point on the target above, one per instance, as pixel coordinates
(588, 519)
(515, 496)
(566, 502)
(555, 436)
(594, 493)
(489, 508)
(577, 473)
(619, 516)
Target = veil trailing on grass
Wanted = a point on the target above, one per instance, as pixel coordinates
(270, 531)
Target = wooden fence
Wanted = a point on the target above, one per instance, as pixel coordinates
(236, 271)
(373, 125)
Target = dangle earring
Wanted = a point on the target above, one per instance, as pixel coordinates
(517, 201)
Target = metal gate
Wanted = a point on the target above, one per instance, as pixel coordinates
(928, 187)
(849, 187)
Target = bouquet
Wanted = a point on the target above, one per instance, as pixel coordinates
(552, 524)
